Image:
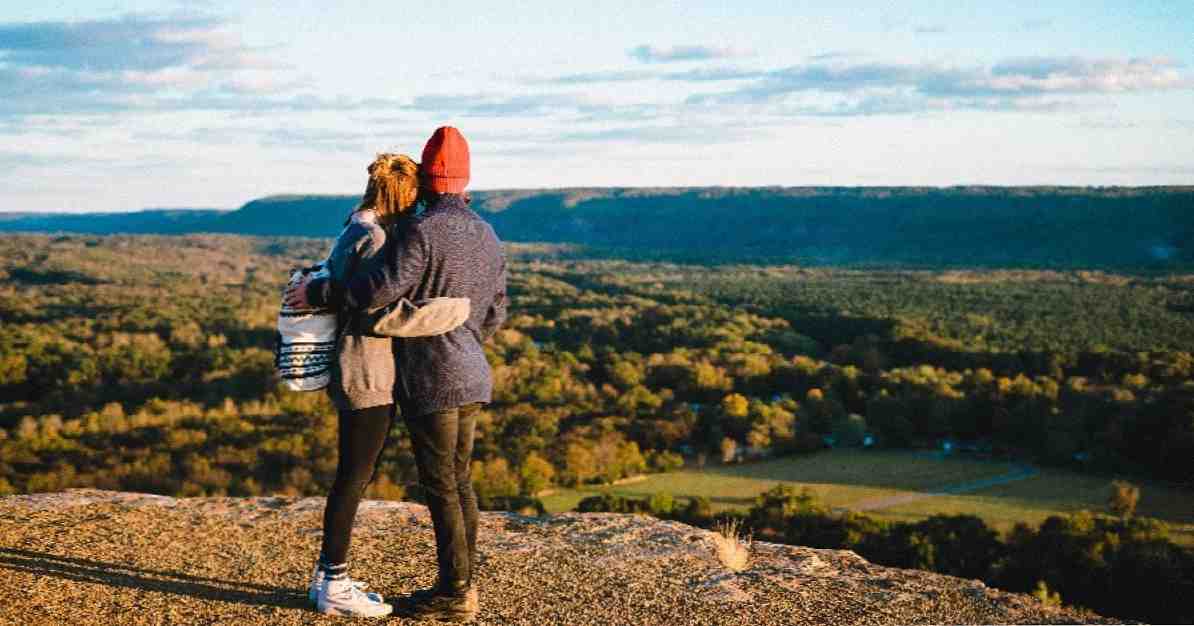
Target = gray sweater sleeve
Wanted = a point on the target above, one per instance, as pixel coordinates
(354, 243)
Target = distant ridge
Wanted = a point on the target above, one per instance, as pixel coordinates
(148, 221)
(1086, 227)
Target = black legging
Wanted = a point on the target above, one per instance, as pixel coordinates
(363, 434)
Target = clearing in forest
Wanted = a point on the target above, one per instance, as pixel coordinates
(907, 486)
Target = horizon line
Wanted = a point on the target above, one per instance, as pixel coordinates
(1059, 186)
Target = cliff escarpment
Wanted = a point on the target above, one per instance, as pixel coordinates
(1033, 227)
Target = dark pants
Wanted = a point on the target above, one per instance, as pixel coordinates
(443, 446)
(363, 434)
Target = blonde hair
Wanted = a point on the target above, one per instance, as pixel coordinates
(393, 186)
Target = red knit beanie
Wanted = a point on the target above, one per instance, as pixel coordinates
(445, 165)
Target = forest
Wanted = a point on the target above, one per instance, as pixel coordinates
(144, 363)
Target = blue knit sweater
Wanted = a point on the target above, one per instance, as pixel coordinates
(447, 250)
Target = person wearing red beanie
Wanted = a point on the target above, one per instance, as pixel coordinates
(445, 167)
(443, 381)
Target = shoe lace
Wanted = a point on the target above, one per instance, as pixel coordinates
(352, 592)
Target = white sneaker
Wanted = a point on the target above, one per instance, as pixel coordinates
(317, 584)
(341, 596)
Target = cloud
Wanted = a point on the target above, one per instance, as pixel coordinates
(318, 139)
(605, 113)
(12, 160)
(835, 71)
(696, 75)
(130, 43)
(841, 77)
(929, 29)
(570, 108)
(686, 135)
(1033, 83)
(584, 78)
(1036, 23)
(835, 55)
(136, 62)
(713, 74)
(1077, 75)
(848, 83)
(1107, 123)
(469, 105)
(654, 54)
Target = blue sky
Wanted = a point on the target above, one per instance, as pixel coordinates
(142, 104)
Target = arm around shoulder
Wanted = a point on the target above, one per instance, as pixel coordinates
(390, 275)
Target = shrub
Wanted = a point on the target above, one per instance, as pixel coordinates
(523, 505)
(1047, 597)
(1123, 498)
(610, 503)
(665, 461)
(536, 473)
(661, 504)
(698, 511)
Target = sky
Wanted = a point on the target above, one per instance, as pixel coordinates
(116, 107)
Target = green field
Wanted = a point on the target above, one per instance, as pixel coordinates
(854, 478)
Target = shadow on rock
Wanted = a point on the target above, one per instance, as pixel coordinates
(118, 575)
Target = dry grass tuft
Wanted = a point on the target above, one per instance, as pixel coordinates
(733, 545)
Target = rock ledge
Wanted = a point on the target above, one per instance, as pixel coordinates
(88, 556)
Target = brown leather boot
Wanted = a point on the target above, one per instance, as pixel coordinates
(461, 606)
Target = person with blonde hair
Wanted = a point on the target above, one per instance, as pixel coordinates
(362, 385)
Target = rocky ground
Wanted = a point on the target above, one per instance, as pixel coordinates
(95, 557)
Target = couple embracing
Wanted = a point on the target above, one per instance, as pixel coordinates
(413, 239)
